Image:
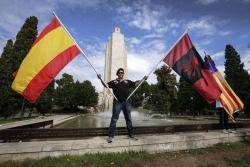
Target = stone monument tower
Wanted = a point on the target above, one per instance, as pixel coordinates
(115, 58)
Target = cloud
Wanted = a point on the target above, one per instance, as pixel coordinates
(139, 66)
(140, 61)
(145, 19)
(245, 58)
(81, 5)
(207, 26)
(13, 14)
(207, 2)
(203, 26)
(221, 69)
(151, 22)
(93, 4)
(81, 70)
(147, 16)
(3, 41)
(225, 33)
(133, 40)
(219, 60)
(11, 23)
(218, 56)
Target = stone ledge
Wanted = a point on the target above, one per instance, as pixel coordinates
(57, 119)
(149, 143)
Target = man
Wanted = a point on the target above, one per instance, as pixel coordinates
(247, 104)
(120, 88)
(223, 116)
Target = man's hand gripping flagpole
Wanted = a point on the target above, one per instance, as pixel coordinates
(146, 76)
(84, 55)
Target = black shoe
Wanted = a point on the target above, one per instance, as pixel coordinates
(132, 137)
(110, 139)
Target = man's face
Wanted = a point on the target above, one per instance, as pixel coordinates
(120, 74)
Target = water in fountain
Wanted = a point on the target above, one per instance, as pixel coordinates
(139, 118)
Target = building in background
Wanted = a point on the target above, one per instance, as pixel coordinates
(115, 58)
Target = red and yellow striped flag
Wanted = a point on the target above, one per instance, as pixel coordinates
(229, 100)
(50, 52)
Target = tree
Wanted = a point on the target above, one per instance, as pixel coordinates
(140, 95)
(70, 95)
(7, 50)
(185, 92)
(167, 82)
(5, 80)
(86, 94)
(64, 94)
(159, 100)
(4, 60)
(164, 93)
(12, 57)
(24, 40)
(45, 101)
(189, 101)
(235, 74)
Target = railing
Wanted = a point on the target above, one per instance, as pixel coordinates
(27, 134)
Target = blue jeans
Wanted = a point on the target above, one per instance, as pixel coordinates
(223, 118)
(126, 108)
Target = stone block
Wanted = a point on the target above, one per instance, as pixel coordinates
(150, 143)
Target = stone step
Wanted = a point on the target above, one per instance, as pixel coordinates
(150, 143)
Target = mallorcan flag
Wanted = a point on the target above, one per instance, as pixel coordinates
(229, 100)
(50, 52)
(186, 61)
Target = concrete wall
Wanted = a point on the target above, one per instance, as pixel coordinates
(150, 143)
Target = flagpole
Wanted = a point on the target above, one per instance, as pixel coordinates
(84, 55)
(157, 64)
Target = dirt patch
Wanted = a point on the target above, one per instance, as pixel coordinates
(211, 157)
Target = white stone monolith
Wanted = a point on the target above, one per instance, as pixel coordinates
(115, 58)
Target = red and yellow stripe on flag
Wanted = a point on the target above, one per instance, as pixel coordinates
(50, 52)
(229, 100)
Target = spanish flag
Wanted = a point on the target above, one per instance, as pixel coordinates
(50, 52)
(229, 100)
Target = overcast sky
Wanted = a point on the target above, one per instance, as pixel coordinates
(150, 29)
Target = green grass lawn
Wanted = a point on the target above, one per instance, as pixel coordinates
(229, 154)
(102, 160)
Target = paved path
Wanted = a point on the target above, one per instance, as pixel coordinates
(150, 143)
(57, 119)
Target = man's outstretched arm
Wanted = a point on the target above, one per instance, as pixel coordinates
(100, 77)
(138, 81)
